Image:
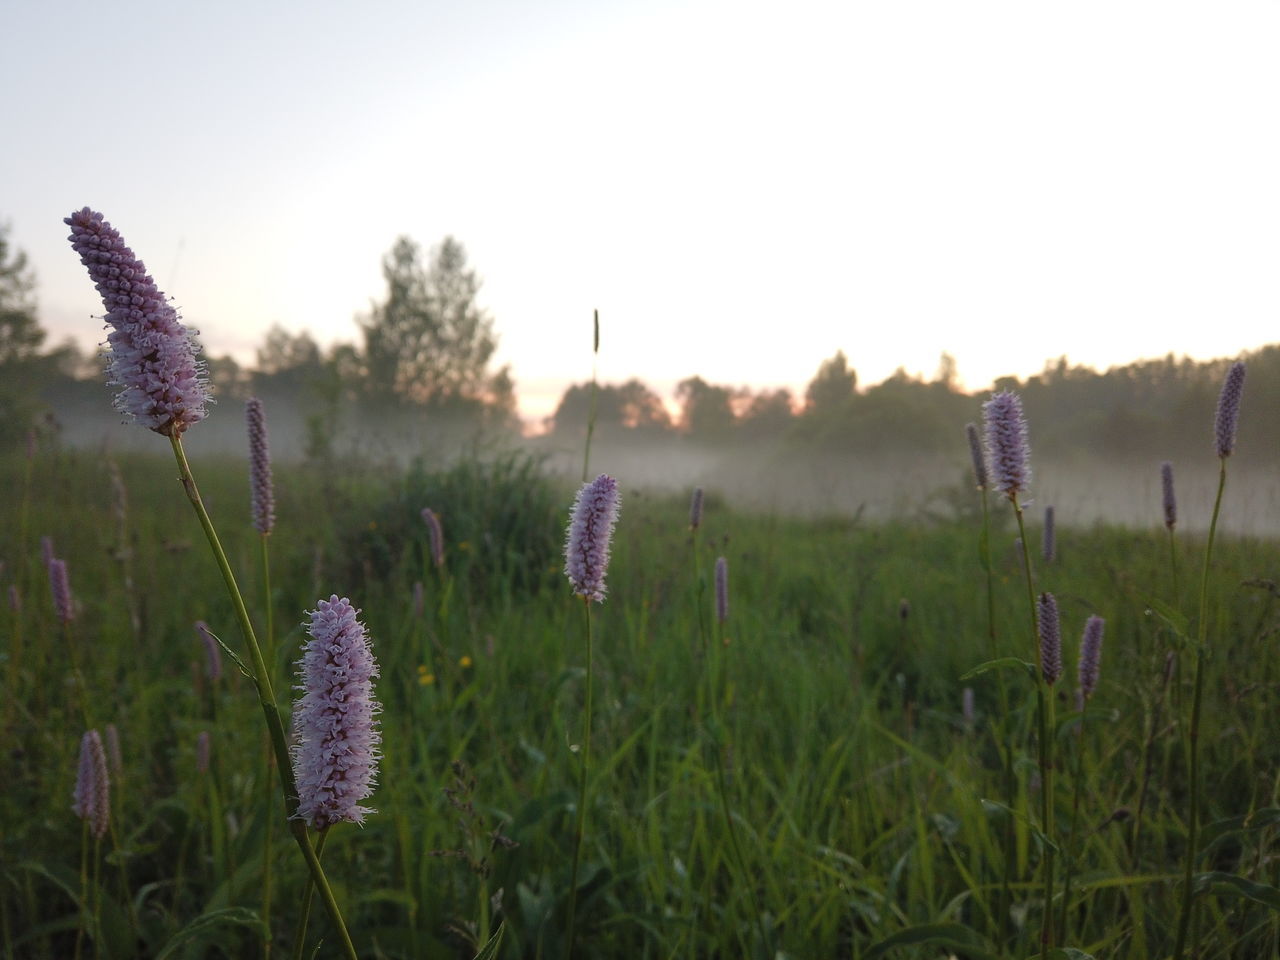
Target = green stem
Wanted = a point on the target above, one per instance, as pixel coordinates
(744, 878)
(1072, 854)
(308, 891)
(1193, 733)
(582, 795)
(266, 778)
(1044, 722)
(266, 696)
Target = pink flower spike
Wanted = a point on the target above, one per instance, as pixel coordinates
(586, 549)
(336, 756)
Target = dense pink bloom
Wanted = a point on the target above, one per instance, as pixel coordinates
(722, 589)
(695, 509)
(335, 758)
(1050, 637)
(1008, 450)
(977, 455)
(1228, 414)
(60, 587)
(262, 496)
(211, 649)
(1170, 502)
(435, 536)
(92, 797)
(153, 356)
(586, 549)
(1090, 656)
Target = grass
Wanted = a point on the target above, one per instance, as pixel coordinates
(865, 808)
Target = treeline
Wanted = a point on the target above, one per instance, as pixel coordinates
(422, 374)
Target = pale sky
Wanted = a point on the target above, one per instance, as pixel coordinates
(740, 188)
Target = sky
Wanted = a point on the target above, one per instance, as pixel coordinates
(741, 189)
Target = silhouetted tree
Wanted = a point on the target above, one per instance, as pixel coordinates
(706, 410)
(831, 388)
(20, 333)
(429, 343)
(628, 406)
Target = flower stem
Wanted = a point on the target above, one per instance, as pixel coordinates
(582, 794)
(1193, 733)
(1044, 722)
(266, 696)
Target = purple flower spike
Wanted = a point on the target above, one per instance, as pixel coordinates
(336, 757)
(1170, 503)
(1224, 425)
(60, 586)
(1049, 539)
(262, 497)
(1090, 655)
(202, 752)
(722, 589)
(976, 454)
(46, 550)
(1050, 637)
(212, 651)
(153, 356)
(435, 536)
(586, 550)
(92, 797)
(1007, 447)
(695, 509)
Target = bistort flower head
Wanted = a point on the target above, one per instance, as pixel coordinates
(262, 500)
(1049, 537)
(976, 454)
(722, 589)
(1170, 503)
(1224, 425)
(1050, 637)
(435, 536)
(586, 549)
(336, 755)
(60, 587)
(1090, 656)
(213, 652)
(1008, 452)
(695, 509)
(92, 797)
(153, 356)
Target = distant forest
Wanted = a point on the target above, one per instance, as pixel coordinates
(423, 369)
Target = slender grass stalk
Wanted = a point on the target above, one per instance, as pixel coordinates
(308, 892)
(266, 697)
(268, 755)
(1193, 731)
(715, 678)
(591, 417)
(1045, 726)
(581, 820)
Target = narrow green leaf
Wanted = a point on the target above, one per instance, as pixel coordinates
(1001, 663)
(1229, 883)
(490, 949)
(954, 935)
(227, 916)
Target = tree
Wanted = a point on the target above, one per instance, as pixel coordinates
(20, 333)
(428, 343)
(706, 410)
(629, 406)
(831, 387)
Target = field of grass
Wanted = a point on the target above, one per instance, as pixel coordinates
(801, 781)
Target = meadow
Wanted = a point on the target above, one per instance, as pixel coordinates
(804, 778)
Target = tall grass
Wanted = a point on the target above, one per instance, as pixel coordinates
(870, 821)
